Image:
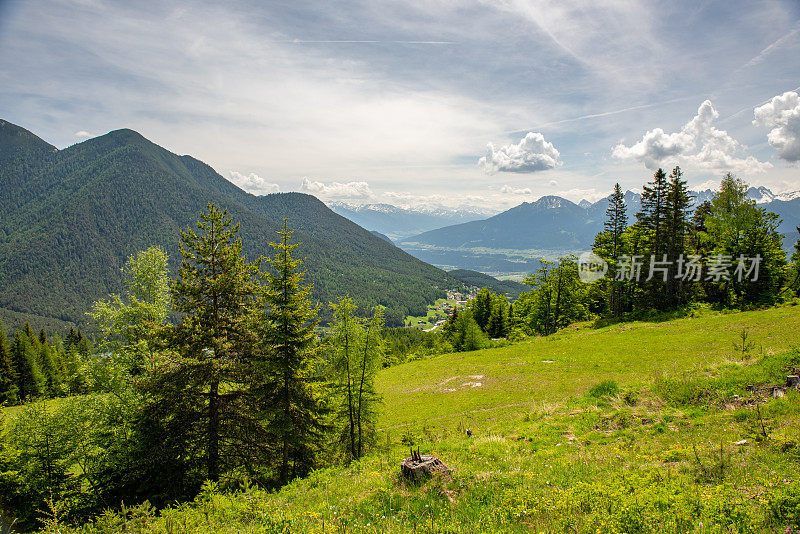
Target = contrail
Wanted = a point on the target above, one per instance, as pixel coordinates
(750, 108)
(603, 114)
(361, 41)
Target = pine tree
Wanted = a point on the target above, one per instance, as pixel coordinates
(616, 220)
(497, 326)
(676, 227)
(287, 360)
(24, 358)
(610, 245)
(653, 211)
(47, 365)
(8, 374)
(203, 392)
(652, 219)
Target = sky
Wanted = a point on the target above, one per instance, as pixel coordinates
(436, 103)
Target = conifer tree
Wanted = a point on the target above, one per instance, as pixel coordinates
(497, 326)
(676, 226)
(47, 365)
(24, 358)
(609, 244)
(653, 211)
(199, 394)
(287, 361)
(8, 374)
(482, 307)
(370, 358)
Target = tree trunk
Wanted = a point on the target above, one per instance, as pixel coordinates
(213, 431)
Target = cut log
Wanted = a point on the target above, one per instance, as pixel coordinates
(793, 381)
(419, 467)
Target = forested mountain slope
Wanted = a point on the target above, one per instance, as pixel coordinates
(72, 217)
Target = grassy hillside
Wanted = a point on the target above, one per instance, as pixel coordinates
(442, 391)
(672, 450)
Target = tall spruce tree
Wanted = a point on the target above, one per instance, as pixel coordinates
(287, 361)
(676, 225)
(30, 381)
(200, 394)
(609, 244)
(653, 211)
(652, 220)
(8, 374)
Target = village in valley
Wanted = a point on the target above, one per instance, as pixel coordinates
(439, 311)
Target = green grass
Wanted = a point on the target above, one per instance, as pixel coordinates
(441, 391)
(546, 456)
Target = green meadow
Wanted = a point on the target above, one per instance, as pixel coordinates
(636, 427)
(489, 388)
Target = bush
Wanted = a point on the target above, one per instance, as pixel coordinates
(606, 388)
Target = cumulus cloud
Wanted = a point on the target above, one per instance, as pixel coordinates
(531, 154)
(83, 134)
(699, 144)
(336, 189)
(516, 190)
(782, 115)
(253, 183)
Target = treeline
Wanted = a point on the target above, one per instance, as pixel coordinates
(725, 252)
(34, 367)
(238, 390)
(671, 254)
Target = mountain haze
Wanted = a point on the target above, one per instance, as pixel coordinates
(398, 222)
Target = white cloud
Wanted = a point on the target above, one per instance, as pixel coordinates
(336, 189)
(782, 115)
(83, 134)
(253, 183)
(516, 190)
(708, 184)
(531, 154)
(699, 144)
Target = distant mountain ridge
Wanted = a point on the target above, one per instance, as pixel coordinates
(71, 218)
(398, 222)
(554, 223)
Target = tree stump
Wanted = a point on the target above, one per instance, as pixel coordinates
(419, 467)
(793, 381)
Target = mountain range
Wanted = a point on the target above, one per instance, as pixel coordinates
(399, 222)
(553, 223)
(71, 217)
